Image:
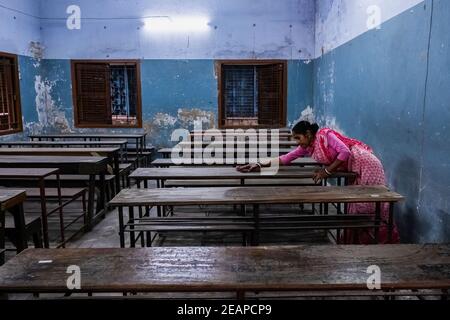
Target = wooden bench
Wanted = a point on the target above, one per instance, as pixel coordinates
(68, 195)
(92, 166)
(302, 162)
(12, 201)
(405, 269)
(33, 229)
(254, 197)
(244, 225)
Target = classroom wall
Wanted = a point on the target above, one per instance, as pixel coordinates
(390, 88)
(178, 79)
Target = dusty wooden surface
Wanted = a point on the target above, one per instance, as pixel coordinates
(67, 164)
(64, 143)
(225, 173)
(24, 173)
(255, 195)
(229, 268)
(90, 135)
(224, 143)
(231, 150)
(58, 151)
(226, 162)
(9, 198)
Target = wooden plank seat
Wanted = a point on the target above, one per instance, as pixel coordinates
(68, 196)
(303, 268)
(247, 225)
(124, 172)
(80, 180)
(236, 182)
(33, 229)
(144, 158)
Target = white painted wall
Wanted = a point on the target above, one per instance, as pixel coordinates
(339, 21)
(236, 29)
(19, 25)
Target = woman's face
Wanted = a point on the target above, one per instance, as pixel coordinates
(303, 140)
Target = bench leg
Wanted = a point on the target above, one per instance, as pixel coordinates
(37, 239)
(121, 228)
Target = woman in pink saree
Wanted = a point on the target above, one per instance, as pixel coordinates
(339, 153)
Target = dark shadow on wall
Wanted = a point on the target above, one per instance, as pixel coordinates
(406, 182)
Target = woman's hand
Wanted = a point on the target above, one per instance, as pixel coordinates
(252, 167)
(319, 175)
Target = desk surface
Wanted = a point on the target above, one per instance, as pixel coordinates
(57, 151)
(91, 135)
(64, 143)
(26, 173)
(225, 150)
(207, 173)
(67, 164)
(10, 198)
(240, 143)
(236, 161)
(275, 268)
(256, 195)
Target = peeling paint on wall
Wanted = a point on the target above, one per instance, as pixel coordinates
(187, 117)
(49, 115)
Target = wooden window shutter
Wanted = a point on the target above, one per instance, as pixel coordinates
(93, 93)
(8, 118)
(270, 99)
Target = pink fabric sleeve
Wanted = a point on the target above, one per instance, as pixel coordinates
(343, 152)
(291, 156)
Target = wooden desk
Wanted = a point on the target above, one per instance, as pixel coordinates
(111, 153)
(240, 135)
(256, 196)
(122, 144)
(307, 269)
(224, 173)
(138, 138)
(91, 166)
(246, 143)
(291, 173)
(38, 175)
(222, 162)
(12, 201)
(233, 152)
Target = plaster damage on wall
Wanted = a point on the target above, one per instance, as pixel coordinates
(49, 115)
(160, 127)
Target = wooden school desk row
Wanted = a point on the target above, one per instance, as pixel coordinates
(136, 199)
(308, 270)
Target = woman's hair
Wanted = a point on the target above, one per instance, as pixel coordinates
(303, 126)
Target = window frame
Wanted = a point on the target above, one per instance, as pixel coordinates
(136, 63)
(16, 87)
(283, 103)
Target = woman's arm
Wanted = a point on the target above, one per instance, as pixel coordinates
(343, 153)
(282, 160)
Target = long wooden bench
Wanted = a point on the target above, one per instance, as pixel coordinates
(68, 196)
(254, 197)
(33, 230)
(405, 269)
(244, 225)
(12, 201)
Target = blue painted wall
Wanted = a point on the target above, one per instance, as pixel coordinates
(174, 94)
(377, 88)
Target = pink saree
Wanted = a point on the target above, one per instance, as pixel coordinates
(369, 171)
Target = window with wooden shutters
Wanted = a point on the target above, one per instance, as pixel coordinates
(106, 93)
(10, 110)
(252, 93)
